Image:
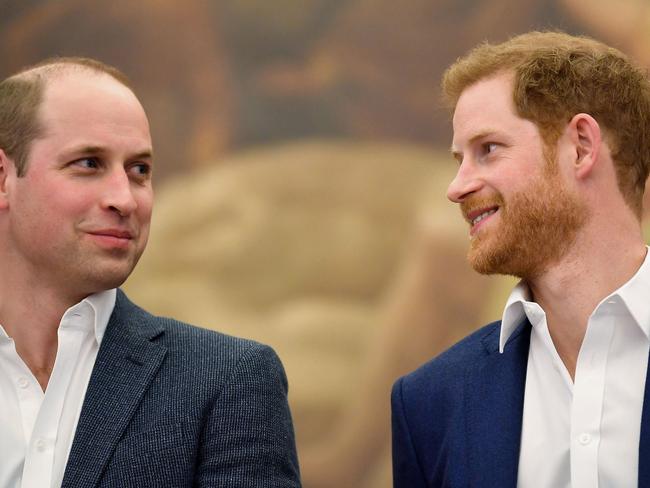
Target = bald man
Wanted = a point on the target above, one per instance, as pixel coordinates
(96, 392)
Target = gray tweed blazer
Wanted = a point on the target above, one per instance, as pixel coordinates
(171, 405)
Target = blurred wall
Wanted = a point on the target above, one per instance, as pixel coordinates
(300, 174)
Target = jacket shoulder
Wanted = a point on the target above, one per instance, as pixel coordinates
(436, 387)
(188, 344)
(428, 414)
(450, 364)
(225, 396)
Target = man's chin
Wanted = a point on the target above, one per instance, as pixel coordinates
(506, 261)
(491, 260)
(107, 277)
(483, 267)
(481, 255)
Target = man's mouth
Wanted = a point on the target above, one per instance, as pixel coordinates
(122, 234)
(479, 216)
(477, 219)
(112, 238)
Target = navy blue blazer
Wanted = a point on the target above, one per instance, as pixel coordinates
(457, 420)
(171, 405)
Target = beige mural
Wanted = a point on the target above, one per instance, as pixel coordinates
(301, 169)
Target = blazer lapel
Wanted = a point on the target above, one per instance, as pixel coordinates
(495, 400)
(126, 364)
(644, 441)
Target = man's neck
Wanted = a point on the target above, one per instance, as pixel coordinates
(31, 317)
(570, 290)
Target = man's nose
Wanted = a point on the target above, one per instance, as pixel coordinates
(118, 193)
(464, 184)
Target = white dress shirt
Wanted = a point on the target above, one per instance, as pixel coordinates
(585, 433)
(36, 427)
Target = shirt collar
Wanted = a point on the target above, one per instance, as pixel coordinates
(634, 294)
(514, 312)
(93, 311)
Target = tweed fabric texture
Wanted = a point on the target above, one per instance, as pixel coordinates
(171, 405)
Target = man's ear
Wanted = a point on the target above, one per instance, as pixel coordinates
(7, 168)
(586, 137)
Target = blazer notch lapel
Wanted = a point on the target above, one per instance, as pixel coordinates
(123, 371)
(494, 409)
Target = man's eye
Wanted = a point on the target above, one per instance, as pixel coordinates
(90, 163)
(141, 169)
(490, 147)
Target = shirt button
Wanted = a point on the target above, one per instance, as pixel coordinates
(23, 382)
(40, 444)
(584, 439)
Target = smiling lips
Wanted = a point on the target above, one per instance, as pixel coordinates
(112, 238)
(122, 234)
(475, 217)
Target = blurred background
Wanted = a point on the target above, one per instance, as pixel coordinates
(301, 168)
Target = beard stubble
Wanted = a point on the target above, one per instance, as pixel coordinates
(536, 228)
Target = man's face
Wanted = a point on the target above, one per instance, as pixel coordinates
(78, 220)
(522, 215)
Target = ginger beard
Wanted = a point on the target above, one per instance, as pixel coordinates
(536, 228)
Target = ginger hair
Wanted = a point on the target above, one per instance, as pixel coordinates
(557, 76)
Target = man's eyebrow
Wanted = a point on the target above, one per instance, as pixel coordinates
(86, 150)
(481, 135)
(456, 153)
(99, 150)
(146, 154)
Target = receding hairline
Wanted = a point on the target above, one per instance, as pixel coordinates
(54, 68)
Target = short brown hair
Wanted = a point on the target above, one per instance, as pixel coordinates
(21, 95)
(557, 76)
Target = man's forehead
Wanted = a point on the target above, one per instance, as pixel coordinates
(84, 94)
(82, 109)
(496, 88)
(482, 106)
(75, 83)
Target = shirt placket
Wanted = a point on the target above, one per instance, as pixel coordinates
(39, 458)
(587, 404)
(26, 387)
(25, 404)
